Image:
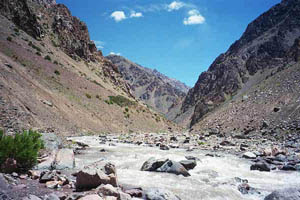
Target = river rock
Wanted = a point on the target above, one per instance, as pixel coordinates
(261, 166)
(47, 176)
(284, 194)
(65, 159)
(31, 197)
(52, 184)
(48, 163)
(160, 194)
(163, 147)
(98, 173)
(249, 155)
(188, 164)
(152, 164)
(108, 190)
(174, 168)
(91, 197)
(52, 197)
(134, 192)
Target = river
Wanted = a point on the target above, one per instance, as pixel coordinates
(212, 179)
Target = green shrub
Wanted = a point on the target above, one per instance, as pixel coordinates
(34, 46)
(23, 147)
(121, 101)
(126, 109)
(9, 38)
(88, 96)
(47, 57)
(109, 102)
(57, 72)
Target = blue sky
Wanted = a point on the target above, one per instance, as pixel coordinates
(178, 38)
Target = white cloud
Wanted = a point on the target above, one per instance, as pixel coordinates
(194, 18)
(113, 53)
(99, 44)
(118, 16)
(175, 5)
(136, 14)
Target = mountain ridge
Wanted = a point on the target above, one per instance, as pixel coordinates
(149, 85)
(265, 45)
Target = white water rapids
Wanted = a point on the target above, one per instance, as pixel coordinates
(211, 179)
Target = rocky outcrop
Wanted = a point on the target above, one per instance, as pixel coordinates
(22, 15)
(150, 86)
(269, 42)
(72, 34)
(44, 17)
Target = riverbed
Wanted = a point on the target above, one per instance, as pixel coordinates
(214, 177)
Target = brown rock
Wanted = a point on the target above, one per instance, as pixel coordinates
(98, 173)
(9, 166)
(52, 184)
(34, 174)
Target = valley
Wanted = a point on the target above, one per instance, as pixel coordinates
(112, 129)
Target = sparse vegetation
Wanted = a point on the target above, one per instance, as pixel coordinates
(121, 101)
(55, 62)
(38, 53)
(109, 102)
(157, 119)
(57, 72)
(54, 43)
(98, 97)
(88, 96)
(94, 81)
(47, 57)
(9, 39)
(23, 148)
(34, 46)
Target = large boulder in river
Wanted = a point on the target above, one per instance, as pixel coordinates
(189, 164)
(65, 159)
(284, 194)
(152, 164)
(160, 194)
(174, 168)
(98, 173)
(261, 166)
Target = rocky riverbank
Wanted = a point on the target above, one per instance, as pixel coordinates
(132, 166)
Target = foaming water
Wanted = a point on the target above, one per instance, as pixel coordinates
(212, 179)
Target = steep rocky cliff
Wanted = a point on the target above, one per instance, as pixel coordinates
(150, 86)
(269, 42)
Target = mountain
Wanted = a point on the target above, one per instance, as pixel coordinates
(53, 77)
(150, 86)
(269, 45)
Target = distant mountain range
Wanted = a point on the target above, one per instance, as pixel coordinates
(155, 89)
